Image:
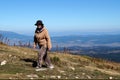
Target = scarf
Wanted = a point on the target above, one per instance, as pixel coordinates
(38, 30)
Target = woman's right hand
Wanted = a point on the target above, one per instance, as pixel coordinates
(34, 46)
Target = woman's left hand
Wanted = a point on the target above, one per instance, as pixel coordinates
(49, 49)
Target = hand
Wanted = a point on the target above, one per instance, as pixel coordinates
(34, 46)
(49, 49)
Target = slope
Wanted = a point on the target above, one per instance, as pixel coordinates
(19, 63)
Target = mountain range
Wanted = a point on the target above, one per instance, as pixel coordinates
(70, 40)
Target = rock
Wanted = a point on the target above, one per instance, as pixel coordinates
(10, 77)
(32, 76)
(64, 74)
(44, 76)
(14, 57)
(76, 77)
(10, 55)
(110, 77)
(61, 71)
(72, 68)
(83, 73)
(88, 77)
(58, 77)
(25, 53)
(40, 69)
(3, 62)
(66, 78)
(52, 76)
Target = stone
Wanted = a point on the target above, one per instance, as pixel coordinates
(3, 62)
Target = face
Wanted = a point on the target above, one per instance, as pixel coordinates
(39, 26)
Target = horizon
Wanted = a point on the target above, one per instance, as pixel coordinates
(58, 34)
(65, 16)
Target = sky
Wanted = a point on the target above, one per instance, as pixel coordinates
(60, 16)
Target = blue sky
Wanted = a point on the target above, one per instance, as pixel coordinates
(59, 16)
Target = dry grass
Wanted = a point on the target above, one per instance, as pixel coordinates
(21, 62)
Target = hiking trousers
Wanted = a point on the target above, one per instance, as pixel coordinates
(43, 57)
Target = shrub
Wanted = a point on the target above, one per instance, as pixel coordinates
(56, 60)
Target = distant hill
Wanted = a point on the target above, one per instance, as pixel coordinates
(88, 40)
(20, 63)
(71, 40)
(15, 37)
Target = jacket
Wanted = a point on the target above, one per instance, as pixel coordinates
(42, 38)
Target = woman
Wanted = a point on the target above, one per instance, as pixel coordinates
(43, 40)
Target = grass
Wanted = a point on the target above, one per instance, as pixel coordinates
(21, 62)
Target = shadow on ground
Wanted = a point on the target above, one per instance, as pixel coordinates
(34, 63)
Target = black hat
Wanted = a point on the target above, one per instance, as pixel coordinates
(39, 22)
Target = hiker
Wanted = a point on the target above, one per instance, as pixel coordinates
(43, 40)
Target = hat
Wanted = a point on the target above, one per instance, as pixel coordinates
(39, 22)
